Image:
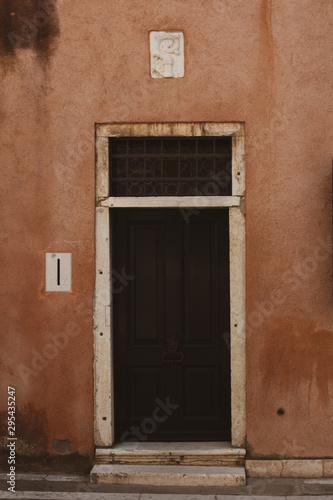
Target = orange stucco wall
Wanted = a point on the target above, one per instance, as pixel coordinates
(264, 62)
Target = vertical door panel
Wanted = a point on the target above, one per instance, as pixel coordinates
(146, 266)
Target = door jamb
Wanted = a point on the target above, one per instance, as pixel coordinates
(103, 356)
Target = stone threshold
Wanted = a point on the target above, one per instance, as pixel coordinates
(296, 468)
(168, 475)
(220, 454)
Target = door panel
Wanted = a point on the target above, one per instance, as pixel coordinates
(146, 264)
(172, 366)
(201, 392)
(200, 282)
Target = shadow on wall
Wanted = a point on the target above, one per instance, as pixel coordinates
(28, 24)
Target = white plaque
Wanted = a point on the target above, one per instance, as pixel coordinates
(166, 54)
(58, 275)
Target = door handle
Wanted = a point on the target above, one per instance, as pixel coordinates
(173, 354)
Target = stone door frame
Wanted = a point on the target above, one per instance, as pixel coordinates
(102, 331)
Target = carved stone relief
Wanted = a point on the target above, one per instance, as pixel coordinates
(166, 54)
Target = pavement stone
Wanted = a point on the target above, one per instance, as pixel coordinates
(151, 496)
(77, 487)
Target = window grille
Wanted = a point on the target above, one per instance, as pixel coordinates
(177, 166)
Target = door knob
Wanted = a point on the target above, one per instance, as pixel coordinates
(173, 354)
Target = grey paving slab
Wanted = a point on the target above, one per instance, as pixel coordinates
(54, 495)
(274, 486)
(247, 497)
(323, 480)
(24, 477)
(317, 489)
(39, 495)
(69, 478)
(57, 495)
(311, 497)
(170, 496)
(74, 487)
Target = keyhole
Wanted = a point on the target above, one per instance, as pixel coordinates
(58, 272)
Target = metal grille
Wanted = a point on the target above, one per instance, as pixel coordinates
(174, 166)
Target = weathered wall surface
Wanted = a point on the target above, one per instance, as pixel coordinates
(264, 62)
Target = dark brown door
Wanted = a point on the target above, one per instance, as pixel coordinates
(171, 324)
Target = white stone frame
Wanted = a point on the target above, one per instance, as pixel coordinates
(103, 356)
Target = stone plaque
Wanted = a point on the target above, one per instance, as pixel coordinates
(166, 54)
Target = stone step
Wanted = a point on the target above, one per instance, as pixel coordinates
(168, 475)
(210, 453)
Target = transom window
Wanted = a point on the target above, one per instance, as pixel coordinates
(176, 166)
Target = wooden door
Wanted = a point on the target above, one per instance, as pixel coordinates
(171, 325)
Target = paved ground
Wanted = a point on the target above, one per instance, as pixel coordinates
(77, 487)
